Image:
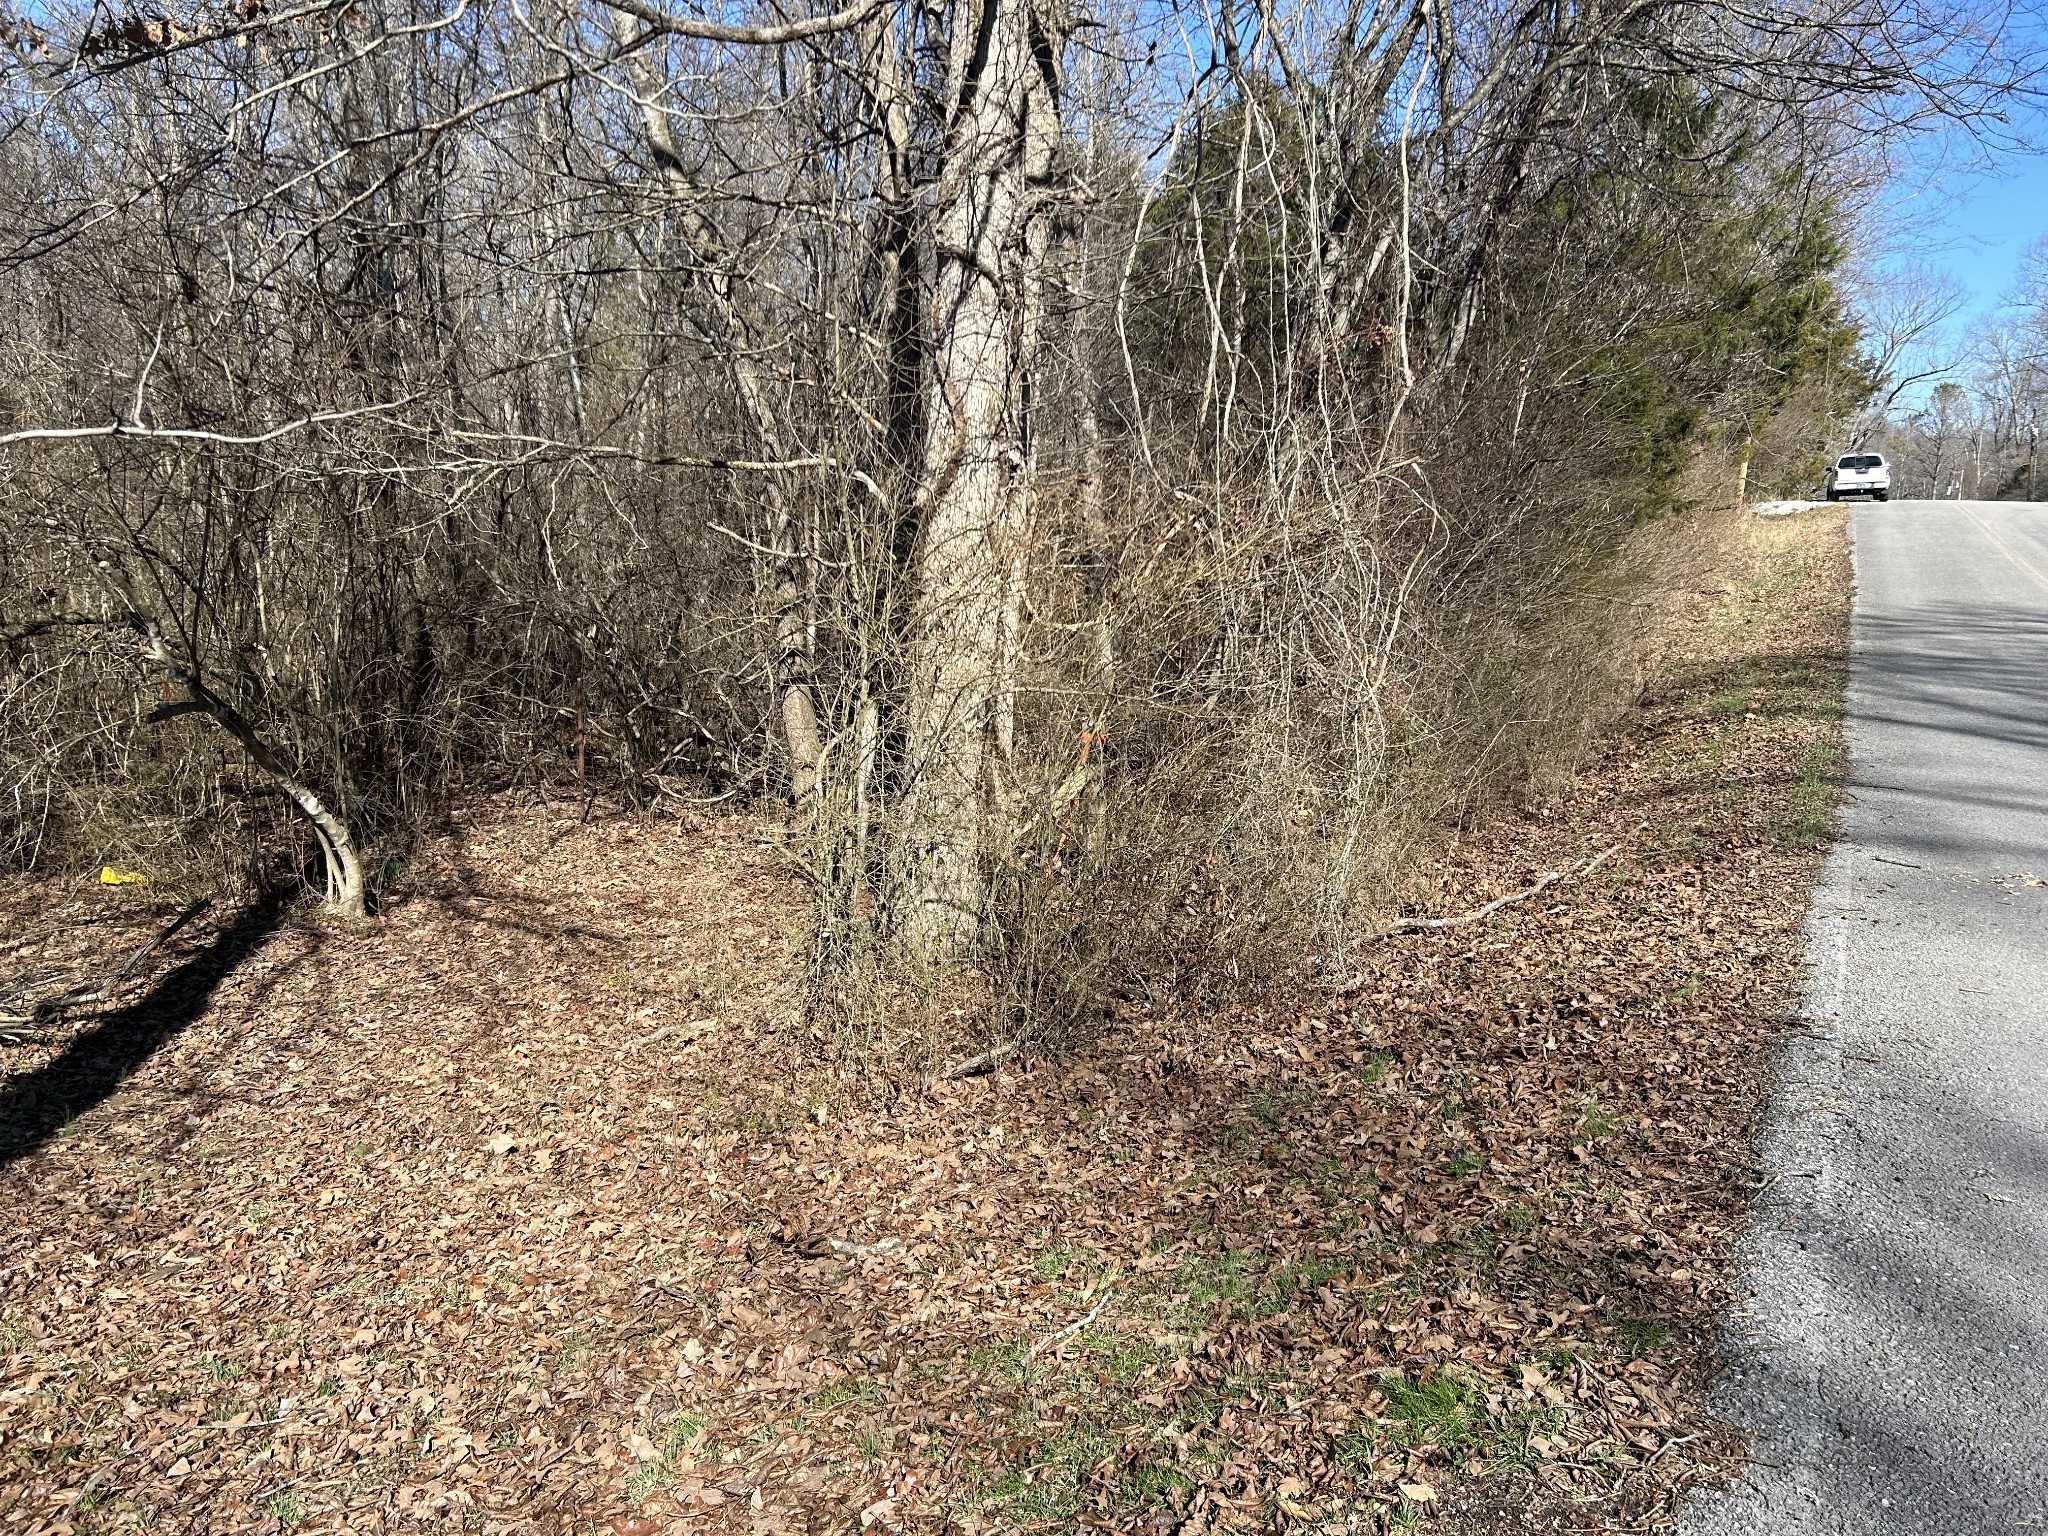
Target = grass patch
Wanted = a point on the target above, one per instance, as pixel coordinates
(847, 1392)
(1244, 1280)
(1055, 1262)
(682, 1429)
(1450, 1415)
(1644, 1336)
(1597, 1119)
(1120, 1358)
(1809, 819)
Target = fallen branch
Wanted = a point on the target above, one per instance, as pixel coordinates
(1054, 1340)
(1422, 924)
(79, 997)
(974, 1066)
(142, 954)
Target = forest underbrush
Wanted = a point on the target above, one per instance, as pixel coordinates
(539, 1204)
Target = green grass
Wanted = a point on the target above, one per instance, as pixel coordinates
(682, 1428)
(1210, 1278)
(1641, 1335)
(1241, 1278)
(1810, 805)
(1520, 1219)
(1274, 1109)
(1051, 1487)
(1055, 1262)
(1597, 1119)
(1438, 1407)
(847, 1391)
(1442, 1411)
(1120, 1358)
(1735, 701)
(574, 1351)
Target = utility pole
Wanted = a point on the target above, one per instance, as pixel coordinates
(2033, 436)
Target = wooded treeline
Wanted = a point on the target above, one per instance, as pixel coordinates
(1978, 432)
(1105, 468)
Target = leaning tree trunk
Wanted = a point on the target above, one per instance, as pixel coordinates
(991, 221)
(345, 888)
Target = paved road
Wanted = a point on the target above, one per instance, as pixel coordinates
(1894, 1362)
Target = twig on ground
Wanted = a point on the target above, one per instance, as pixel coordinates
(1671, 1445)
(1421, 924)
(1771, 1180)
(1054, 1340)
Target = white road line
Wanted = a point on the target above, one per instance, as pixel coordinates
(1838, 980)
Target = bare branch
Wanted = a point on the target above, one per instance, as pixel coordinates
(670, 24)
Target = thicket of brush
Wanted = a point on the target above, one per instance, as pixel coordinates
(1126, 493)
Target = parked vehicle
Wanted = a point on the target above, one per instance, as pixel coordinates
(1860, 474)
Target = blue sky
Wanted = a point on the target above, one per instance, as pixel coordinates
(1981, 222)
(1969, 205)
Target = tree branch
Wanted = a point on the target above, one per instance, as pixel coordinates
(30, 628)
(713, 32)
(193, 434)
(1423, 924)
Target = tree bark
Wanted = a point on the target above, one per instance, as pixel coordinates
(991, 222)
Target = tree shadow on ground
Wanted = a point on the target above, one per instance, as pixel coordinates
(35, 1106)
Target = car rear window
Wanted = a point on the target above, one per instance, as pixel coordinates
(1861, 461)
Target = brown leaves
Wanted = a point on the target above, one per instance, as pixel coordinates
(460, 1220)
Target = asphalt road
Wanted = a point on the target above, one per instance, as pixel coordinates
(1894, 1361)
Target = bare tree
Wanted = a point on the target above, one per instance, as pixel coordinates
(1111, 474)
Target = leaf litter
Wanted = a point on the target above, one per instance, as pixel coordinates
(536, 1206)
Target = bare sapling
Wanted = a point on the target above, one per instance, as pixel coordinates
(345, 890)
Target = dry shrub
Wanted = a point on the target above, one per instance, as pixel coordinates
(87, 780)
(1293, 726)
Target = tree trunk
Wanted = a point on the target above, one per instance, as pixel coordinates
(991, 222)
(790, 667)
(345, 888)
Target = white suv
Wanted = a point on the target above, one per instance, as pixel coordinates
(1860, 474)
